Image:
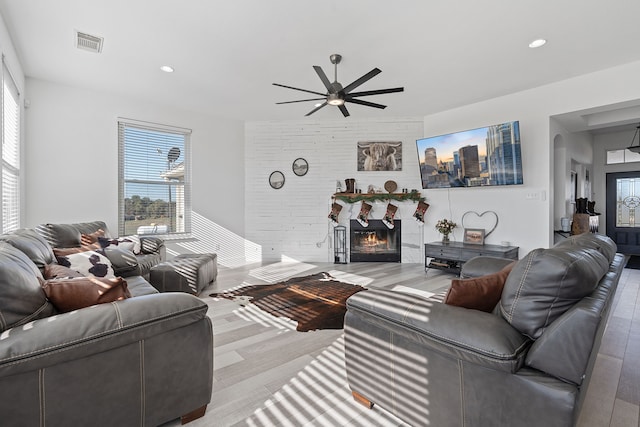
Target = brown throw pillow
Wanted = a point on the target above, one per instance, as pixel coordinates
(78, 292)
(88, 239)
(68, 251)
(57, 271)
(479, 293)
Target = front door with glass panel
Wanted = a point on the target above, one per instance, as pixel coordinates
(623, 211)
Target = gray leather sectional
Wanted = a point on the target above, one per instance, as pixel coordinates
(142, 361)
(528, 363)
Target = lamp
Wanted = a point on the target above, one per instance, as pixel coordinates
(636, 148)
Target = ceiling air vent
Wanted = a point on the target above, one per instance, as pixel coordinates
(88, 42)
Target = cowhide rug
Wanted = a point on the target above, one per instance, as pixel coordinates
(315, 302)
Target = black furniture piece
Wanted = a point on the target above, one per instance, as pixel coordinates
(451, 256)
(527, 363)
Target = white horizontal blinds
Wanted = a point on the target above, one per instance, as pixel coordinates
(154, 179)
(10, 152)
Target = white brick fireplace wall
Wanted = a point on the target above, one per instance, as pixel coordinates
(292, 222)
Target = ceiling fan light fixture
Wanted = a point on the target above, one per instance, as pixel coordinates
(635, 148)
(334, 99)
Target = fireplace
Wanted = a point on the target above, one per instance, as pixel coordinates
(375, 243)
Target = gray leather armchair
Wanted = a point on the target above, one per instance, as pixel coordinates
(528, 363)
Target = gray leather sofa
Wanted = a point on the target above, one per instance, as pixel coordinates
(152, 252)
(528, 363)
(141, 361)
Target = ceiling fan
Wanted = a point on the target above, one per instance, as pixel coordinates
(337, 94)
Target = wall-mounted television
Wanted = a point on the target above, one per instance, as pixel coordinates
(480, 157)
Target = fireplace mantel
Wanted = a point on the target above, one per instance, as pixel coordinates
(413, 196)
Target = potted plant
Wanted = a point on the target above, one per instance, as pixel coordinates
(445, 227)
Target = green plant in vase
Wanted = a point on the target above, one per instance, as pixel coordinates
(445, 227)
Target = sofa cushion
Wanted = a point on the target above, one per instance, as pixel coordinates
(69, 235)
(68, 294)
(89, 263)
(546, 283)
(478, 293)
(601, 243)
(31, 244)
(21, 297)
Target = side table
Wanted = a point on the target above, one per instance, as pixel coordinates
(450, 256)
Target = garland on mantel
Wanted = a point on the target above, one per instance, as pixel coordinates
(376, 197)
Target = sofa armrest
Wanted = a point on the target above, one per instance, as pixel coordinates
(124, 262)
(483, 265)
(80, 333)
(152, 244)
(459, 333)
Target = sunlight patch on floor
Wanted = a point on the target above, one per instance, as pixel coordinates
(280, 271)
(318, 395)
(354, 279)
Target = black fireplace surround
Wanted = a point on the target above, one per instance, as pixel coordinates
(375, 243)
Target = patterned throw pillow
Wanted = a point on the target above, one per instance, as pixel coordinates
(89, 263)
(129, 243)
(57, 271)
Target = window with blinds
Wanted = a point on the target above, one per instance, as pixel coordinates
(10, 152)
(154, 193)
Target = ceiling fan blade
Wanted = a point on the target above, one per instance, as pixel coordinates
(301, 100)
(303, 90)
(323, 77)
(362, 80)
(375, 92)
(367, 103)
(344, 110)
(315, 109)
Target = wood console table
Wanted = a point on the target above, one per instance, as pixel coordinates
(450, 256)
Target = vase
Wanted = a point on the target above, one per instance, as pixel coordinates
(445, 238)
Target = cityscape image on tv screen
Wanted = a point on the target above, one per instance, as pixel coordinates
(473, 158)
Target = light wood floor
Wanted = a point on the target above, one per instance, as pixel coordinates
(267, 374)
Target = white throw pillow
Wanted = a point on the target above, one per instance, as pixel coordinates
(89, 263)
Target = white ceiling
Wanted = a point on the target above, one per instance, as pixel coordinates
(228, 53)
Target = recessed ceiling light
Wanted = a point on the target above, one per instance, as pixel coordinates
(537, 43)
(167, 69)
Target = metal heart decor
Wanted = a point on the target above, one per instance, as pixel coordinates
(481, 222)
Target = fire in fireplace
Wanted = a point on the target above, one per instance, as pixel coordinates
(375, 243)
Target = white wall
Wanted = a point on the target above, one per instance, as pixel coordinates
(71, 154)
(289, 222)
(524, 222)
(573, 152)
(292, 222)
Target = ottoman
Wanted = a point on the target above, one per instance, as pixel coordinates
(189, 273)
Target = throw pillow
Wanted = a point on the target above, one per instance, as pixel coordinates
(88, 239)
(79, 292)
(89, 263)
(68, 251)
(479, 293)
(129, 243)
(57, 271)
